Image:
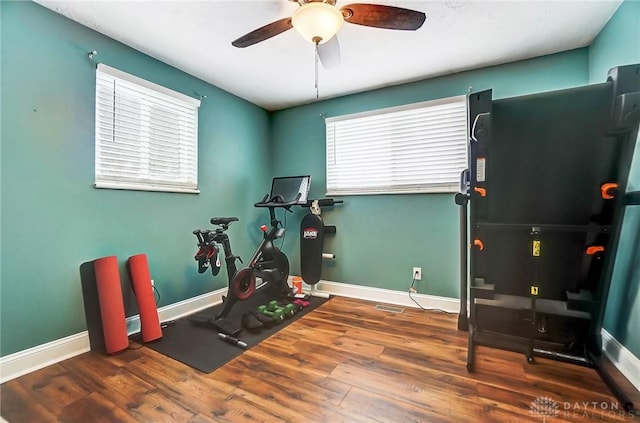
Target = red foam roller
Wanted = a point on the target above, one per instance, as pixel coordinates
(141, 280)
(114, 325)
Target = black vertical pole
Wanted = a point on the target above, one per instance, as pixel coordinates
(462, 199)
(463, 323)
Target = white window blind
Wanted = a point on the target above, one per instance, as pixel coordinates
(415, 148)
(146, 135)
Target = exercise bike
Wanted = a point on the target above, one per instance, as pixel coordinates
(267, 262)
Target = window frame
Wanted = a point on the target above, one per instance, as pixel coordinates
(356, 123)
(174, 146)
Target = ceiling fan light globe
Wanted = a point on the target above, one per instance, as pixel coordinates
(317, 21)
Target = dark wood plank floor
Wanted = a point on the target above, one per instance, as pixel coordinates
(344, 362)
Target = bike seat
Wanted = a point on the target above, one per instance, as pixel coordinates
(225, 221)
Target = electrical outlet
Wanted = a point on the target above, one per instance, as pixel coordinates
(417, 273)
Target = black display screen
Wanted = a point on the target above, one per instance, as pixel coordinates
(289, 187)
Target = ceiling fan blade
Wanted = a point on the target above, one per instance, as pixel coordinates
(263, 33)
(380, 16)
(329, 53)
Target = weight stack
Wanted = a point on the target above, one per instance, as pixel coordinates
(141, 281)
(114, 326)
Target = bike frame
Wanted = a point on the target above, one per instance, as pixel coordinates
(274, 270)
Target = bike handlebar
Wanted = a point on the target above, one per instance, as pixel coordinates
(322, 202)
(277, 201)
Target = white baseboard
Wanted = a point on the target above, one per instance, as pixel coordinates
(32, 359)
(387, 296)
(26, 361)
(622, 358)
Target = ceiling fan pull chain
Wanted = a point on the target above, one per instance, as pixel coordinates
(316, 50)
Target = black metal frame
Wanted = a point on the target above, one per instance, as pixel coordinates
(542, 233)
(267, 262)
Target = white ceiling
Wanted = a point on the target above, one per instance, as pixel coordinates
(195, 36)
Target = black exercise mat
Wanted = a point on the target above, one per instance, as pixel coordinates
(201, 348)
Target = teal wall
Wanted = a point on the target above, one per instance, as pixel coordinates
(53, 219)
(381, 238)
(619, 44)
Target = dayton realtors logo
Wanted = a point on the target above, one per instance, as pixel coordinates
(544, 407)
(548, 408)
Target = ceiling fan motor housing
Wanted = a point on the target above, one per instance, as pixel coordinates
(303, 2)
(317, 21)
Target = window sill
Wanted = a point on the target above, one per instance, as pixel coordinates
(150, 188)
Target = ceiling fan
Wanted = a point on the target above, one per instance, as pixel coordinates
(318, 21)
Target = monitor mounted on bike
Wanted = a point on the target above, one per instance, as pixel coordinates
(290, 186)
(287, 191)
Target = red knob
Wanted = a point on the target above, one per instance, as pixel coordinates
(263, 228)
(595, 249)
(609, 190)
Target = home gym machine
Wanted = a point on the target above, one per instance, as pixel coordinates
(545, 188)
(267, 262)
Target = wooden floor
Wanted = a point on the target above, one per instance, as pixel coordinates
(344, 362)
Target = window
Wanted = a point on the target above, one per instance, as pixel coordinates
(415, 148)
(146, 135)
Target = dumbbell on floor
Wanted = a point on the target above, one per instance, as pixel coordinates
(288, 309)
(276, 314)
